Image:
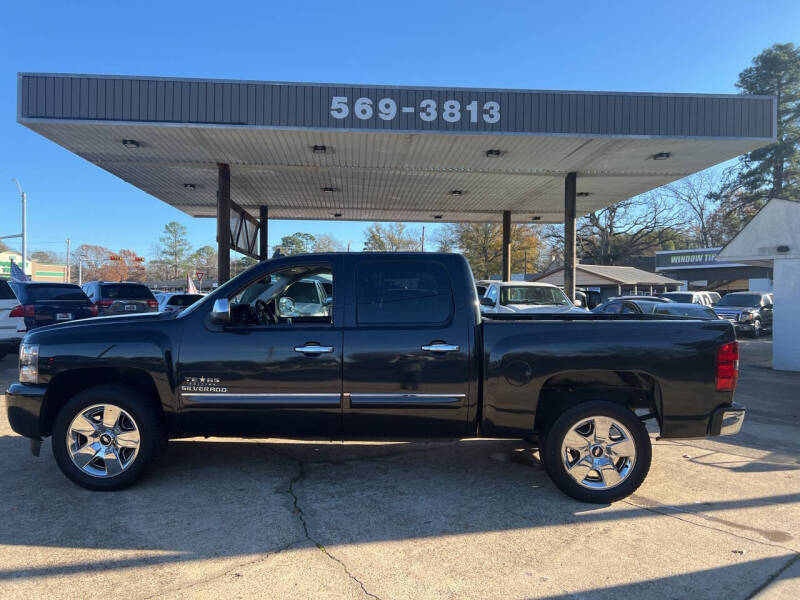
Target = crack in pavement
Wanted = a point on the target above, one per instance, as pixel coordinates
(301, 473)
(194, 584)
(773, 577)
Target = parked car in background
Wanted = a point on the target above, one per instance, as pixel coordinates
(526, 297)
(614, 305)
(42, 303)
(715, 297)
(303, 298)
(675, 309)
(750, 312)
(688, 297)
(175, 302)
(11, 328)
(482, 285)
(592, 297)
(120, 297)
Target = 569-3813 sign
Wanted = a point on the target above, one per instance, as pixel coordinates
(386, 109)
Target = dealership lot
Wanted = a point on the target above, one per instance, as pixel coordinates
(476, 518)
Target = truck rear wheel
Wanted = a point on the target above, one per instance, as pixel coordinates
(105, 437)
(597, 452)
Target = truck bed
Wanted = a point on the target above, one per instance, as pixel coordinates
(535, 363)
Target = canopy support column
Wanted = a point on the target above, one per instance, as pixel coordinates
(223, 223)
(506, 275)
(570, 194)
(263, 229)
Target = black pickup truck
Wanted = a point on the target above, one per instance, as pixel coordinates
(376, 346)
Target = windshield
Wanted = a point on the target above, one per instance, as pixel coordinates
(183, 299)
(688, 298)
(534, 295)
(694, 310)
(740, 300)
(38, 292)
(128, 291)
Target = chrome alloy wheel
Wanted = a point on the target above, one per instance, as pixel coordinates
(103, 440)
(598, 452)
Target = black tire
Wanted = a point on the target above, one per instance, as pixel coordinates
(550, 452)
(149, 422)
(757, 329)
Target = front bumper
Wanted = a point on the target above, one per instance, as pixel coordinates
(24, 404)
(727, 420)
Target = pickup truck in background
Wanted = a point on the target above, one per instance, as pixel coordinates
(401, 352)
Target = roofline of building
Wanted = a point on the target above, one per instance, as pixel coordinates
(21, 74)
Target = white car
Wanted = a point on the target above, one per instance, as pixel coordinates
(175, 302)
(12, 329)
(508, 297)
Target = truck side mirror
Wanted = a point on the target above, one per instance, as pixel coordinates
(486, 301)
(220, 312)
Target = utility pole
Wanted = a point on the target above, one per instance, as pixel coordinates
(69, 279)
(525, 266)
(24, 199)
(423, 238)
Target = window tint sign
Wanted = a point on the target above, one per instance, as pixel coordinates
(672, 260)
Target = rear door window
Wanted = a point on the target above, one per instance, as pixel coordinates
(126, 291)
(6, 293)
(402, 292)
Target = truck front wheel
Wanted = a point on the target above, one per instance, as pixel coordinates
(597, 452)
(105, 437)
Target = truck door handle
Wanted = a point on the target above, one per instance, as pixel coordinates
(313, 349)
(439, 347)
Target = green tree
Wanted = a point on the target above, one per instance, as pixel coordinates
(45, 256)
(394, 237)
(773, 170)
(204, 259)
(174, 248)
(297, 243)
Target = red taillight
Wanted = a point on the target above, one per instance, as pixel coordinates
(104, 303)
(727, 366)
(93, 310)
(152, 303)
(23, 310)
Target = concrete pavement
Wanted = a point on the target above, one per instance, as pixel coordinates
(466, 519)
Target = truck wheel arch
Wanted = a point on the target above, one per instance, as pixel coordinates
(66, 384)
(634, 390)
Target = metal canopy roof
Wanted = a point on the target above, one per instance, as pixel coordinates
(403, 154)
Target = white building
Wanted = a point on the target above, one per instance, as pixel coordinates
(772, 239)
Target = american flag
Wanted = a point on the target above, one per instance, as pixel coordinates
(18, 274)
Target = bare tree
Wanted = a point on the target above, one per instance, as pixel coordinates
(394, 237)
(632, 227)
(326, 242)
(696, 194)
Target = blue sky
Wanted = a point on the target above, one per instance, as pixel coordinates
(678, 46)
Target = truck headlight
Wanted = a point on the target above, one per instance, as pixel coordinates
(28, 363)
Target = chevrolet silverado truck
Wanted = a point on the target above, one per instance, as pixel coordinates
(401, 352)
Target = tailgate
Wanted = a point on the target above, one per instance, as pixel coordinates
(47, 312)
